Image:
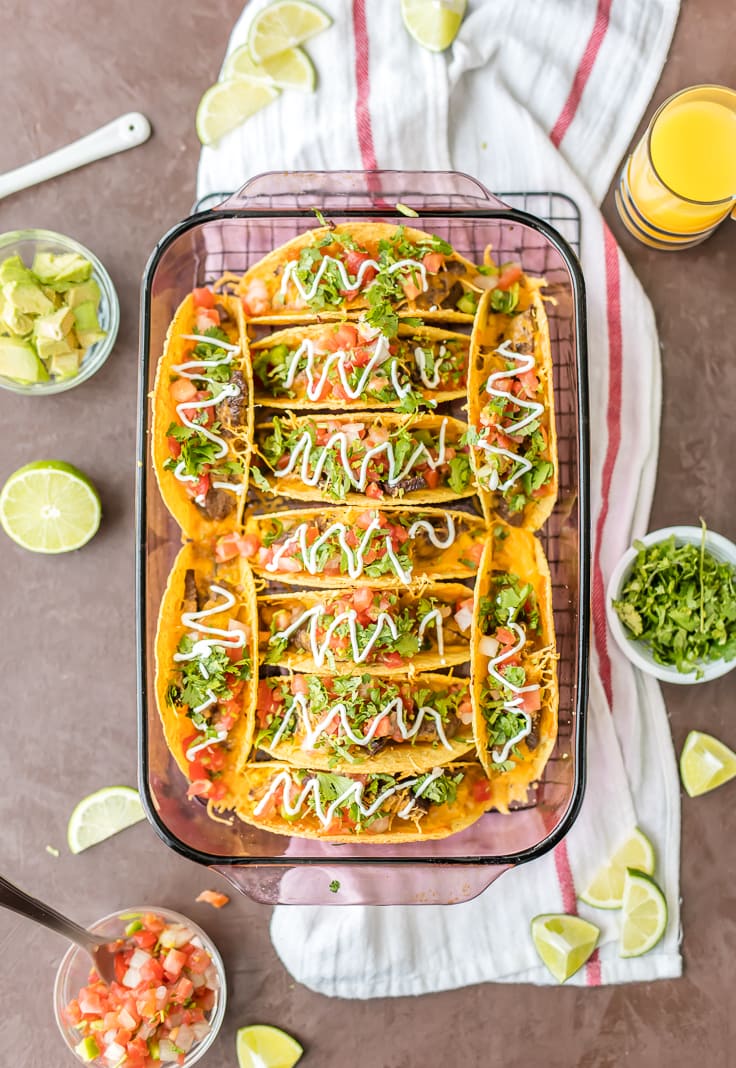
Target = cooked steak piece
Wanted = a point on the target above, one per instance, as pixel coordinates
(407, 485)
(190, 601)
(218, 503)
(231, 411)
(443, 289)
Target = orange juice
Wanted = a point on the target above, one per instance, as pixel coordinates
(680, 181)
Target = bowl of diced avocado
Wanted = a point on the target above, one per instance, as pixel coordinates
(59, 312)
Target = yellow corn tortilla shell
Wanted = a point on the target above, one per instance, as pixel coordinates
(444, 563)
(292, 486)
(521, 554)
(490, 330)
(294, 336)
(440, 822)
(270, 269)
(194, 523)
(237, 578)
(457, 648)
(407, 757)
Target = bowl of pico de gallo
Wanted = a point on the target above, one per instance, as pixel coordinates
(166, 1004)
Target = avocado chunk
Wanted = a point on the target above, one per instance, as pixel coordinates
(81, 292)
(14, 270)
(18, 360)
(87, 324)
(47, 347)
(55, 324)
(27, 297)
(13, 320)
(66, 364)
(62, 269)
(87, 1049)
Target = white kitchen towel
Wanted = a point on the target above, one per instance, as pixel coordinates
(541, 94)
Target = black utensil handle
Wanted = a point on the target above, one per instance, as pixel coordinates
(17, 900)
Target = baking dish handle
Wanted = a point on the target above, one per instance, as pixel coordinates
(362, 190)
(367, 884)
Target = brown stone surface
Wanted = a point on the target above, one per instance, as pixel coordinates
(68, 667)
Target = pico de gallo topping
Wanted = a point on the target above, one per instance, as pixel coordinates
(339, 457)
(158, 1007)
(353, 717)
(349, 364)
(366, 626)
(343, 804)
(207, 682)
(210, 395)
(509, 621)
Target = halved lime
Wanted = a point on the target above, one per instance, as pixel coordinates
(705, 763)
(563, 942)
(228, 104)
(102, 814)
(283, 25)
(292, 69)
(644, 914)
(261, 1046)
(433, 23)
(49, 507)
(606, 890)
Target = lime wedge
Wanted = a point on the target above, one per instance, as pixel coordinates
(228, 104)
(606, 890)
(705, 763)
(292, 69)
(261, 1046)
(49, 507)
(103, 814)
(433, 23)
(283, 25)
(644, 914)
(563, 942)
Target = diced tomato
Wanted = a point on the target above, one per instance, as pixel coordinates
(226, 548)
(364, 519)
(174, 447)
(339, 393)
(374, 491)
(218, 901)
(505, 636)
(467, 604)
(481, 790)
(207, 317)
(531, 701)
(392, 660)
(509, 275)
(433, 261)
(203, 297)
(299, 685)
(182, 390)
(353, 263)
(362, 599)
(411, 289)
(432, 478)
(399, 534)
(120, 967)
(344, 337)
(199, 960)
(173, 963)
(199, 788)
(384, 728)
(256, 300)
(152, 971)
(333, 827)
(202, 487)
(475, 552)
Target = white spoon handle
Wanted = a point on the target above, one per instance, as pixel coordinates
(127, 131)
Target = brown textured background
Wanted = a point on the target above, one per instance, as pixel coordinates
(68, 672)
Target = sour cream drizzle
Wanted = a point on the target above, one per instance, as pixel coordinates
(339, 359)
(339, 441)
(232, 639)
(355, 555)
(319, 652)
(512, 705)
(353, 794)
(192, 369)
(290, 275)
(420, 359)
(524, 363)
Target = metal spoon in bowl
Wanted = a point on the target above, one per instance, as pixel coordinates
(100, 950)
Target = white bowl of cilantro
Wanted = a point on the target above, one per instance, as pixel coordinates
(671, 604)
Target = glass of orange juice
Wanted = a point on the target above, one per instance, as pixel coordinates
(680, 181)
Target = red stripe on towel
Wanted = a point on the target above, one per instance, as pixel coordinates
(582, 74)
(363, 86)
(566, 881)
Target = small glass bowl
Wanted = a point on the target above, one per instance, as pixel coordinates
(25, 243)
(75, 967)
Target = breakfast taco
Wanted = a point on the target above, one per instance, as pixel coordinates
(384, 270)
(511, 408)
(351, 365)
(364, 458)
(203, 415)
(335, 723)
(353, 546)
(377, 808)
(386, 631)
(514, 678)
(207, 668)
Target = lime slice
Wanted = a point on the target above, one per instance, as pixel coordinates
(292, 69)
(49, 507)
(228, 104)
(103, 814)
(433, 23)
(606, 891)
(563, 942)
(261, 1046)
(705, 763)
(644, 914)
(283, 25)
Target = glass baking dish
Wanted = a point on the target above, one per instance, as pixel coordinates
(268, 211)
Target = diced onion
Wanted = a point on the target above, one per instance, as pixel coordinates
(139, 958)
(488, 646)
(464, 619)
(132, 978)
(175, 936)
